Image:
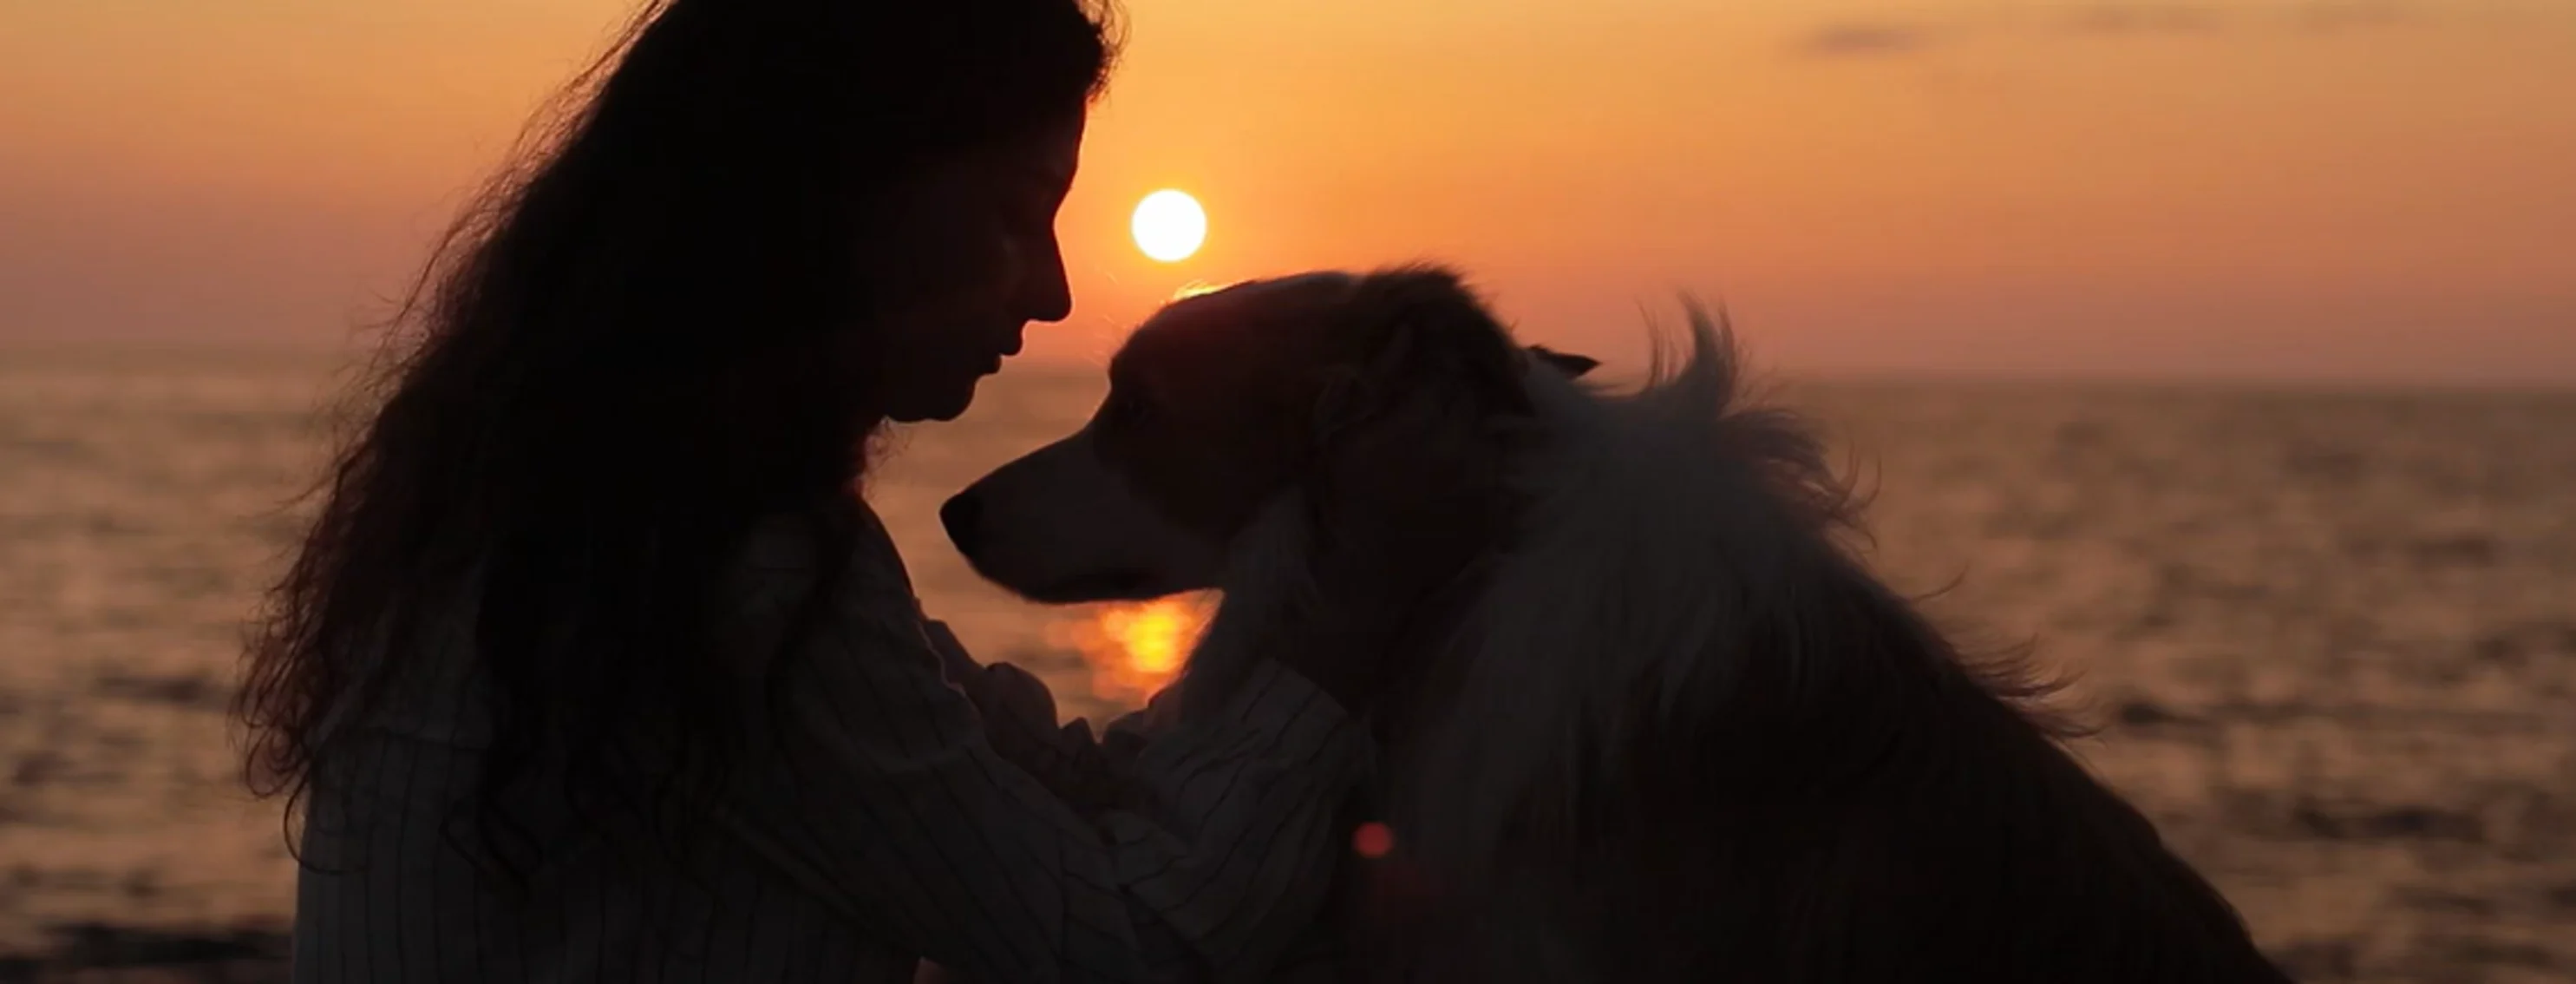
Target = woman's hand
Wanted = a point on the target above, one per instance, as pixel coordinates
(1019, 717)
(999, 691)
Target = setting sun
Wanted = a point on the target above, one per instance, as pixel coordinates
(1169, 225)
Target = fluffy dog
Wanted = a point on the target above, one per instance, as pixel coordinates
(1681, 733)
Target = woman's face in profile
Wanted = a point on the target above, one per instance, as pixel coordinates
(966, 257)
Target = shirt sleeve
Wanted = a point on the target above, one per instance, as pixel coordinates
(1020, 722)
(879, 791)
(1094, 774)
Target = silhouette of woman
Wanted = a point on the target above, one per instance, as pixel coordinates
(595, 664)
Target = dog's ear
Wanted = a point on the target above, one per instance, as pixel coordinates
(1572, 365)
(1413, 327)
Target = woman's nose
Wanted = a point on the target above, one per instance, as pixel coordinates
(1048, 295)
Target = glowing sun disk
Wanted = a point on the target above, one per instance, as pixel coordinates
(1169, 225)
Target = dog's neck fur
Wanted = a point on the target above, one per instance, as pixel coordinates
(1660, 526)
(1268, 575)
(1629, 498)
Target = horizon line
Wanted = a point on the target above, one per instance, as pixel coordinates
(347, 356)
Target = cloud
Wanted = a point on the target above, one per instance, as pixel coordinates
(2330, 16)
(2108, 20)
(1863, 41)
(2144, 18)
(2134, 19)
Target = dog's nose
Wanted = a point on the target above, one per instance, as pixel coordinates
(958, 516)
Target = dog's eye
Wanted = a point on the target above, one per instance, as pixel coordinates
(1122, 408)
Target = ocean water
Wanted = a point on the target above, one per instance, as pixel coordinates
(2332, 636)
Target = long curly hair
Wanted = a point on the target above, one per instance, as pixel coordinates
(641, 339)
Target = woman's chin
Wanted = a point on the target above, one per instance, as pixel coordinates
(945, 404)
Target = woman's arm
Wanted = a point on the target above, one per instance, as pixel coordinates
(889, 801)
(881, 793)
(1093, 775)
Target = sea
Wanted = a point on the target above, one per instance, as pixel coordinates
(2329, 636)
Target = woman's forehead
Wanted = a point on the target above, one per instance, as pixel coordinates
(1050, 151)
(1024, 164)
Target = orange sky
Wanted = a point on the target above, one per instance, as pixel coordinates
(2256, 188)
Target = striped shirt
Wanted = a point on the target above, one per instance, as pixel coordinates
(884, 830)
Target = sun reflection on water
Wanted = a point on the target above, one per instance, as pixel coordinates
(1134, 648)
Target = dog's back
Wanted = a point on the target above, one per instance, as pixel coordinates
(1700, 741)
(1952, 839)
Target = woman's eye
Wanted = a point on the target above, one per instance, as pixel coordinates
(1032, 211)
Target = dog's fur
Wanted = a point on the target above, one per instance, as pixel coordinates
(1682, 734)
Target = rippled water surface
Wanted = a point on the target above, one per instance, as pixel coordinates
(2333, 635)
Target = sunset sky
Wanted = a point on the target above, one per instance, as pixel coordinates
(2266, 189)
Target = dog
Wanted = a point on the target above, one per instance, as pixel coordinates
(1681, 733)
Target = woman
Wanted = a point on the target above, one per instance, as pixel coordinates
(595, 665)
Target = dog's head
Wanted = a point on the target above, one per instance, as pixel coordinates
(1218, 405)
